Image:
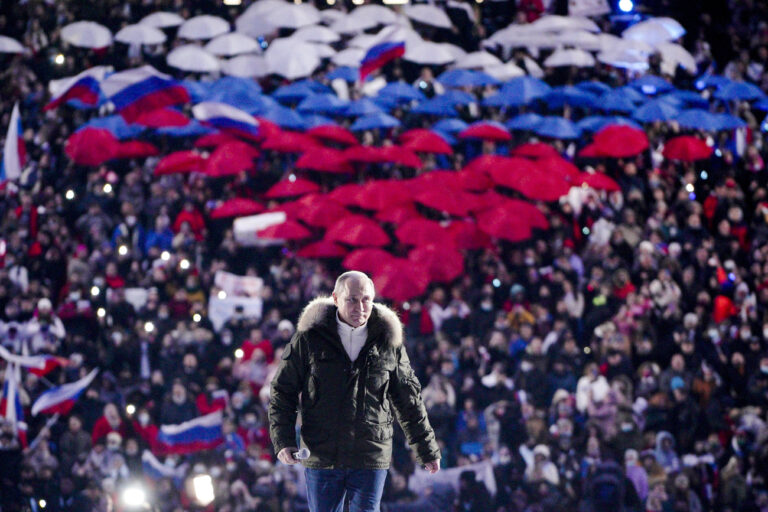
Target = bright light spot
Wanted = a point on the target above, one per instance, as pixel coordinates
(184, 264)
(331, 2)
(222, 294)
(732, 276)
(479, 1)
(95, 291)
(196, 317)
(704, 175)
(130, 409)
(134, 496)
(291, 178)
(406, 306)
(101, 312)
(496, 283)
(585, 230)
(149, 327)
(692, 196)
(233, 2)
(107, 188)
(42, 503)
(587, 350)
(648, 89)
(59, 59)
(358, 2)
(689, 187)
(239, 353)
(718, 152)
(626, 5)
(203, 487)
(165, 256)
(122, 250)
(70, 195)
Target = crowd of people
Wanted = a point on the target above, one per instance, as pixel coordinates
(619, 356)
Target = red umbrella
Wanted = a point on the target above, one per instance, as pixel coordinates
(453, 202)
(485, 131)
(425, 141)
(91, 146)
(291, 188)
(288, 230)
(619, 141)
(161, 118)
(589, 151)
(402, 156)
(598, 181)
(382, 194)
(508, 172)
(367, 154)
(358, 231)
(214, 139)
(237, 207)
(444, 264)
(322, 249)
(467, 235)
(180, 161)
(231, 158)
(136, 149)
(489, 199)
(536, 150)
(288, 142)
(434, 179)
(368, 259)
(538, 186)
(558, 167)
(266, 127)
(322, 213)
(474, 181)
(423, 232)
(323, 159)
(333, 133)
(486, 163)
(501, 222)
(686, 148)
(398, 214)
(346, 194)
(401, 280)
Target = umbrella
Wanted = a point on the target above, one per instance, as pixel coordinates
(191, 57)
(214, 139)
(87, 34)
(523, 176)
(368, 259)
(316, 34)
(655, 110)
(349, 57)
(594, 87)
(466, 78)
(382, 195)
(288, 230)
(373, 122)
(450, 125)
(729, 122)
(376, 14)
(321, 211)
(9, 45)
(674, 55)
(230, 158)
(116, 125)
(292, 15)
(555, 23)
(180, 162)
(525, 89)
(535, 150)
(689, 98)
(698, 119)
(557, 127)
(620, 141)
(425, 141)
(526, 122)
(203, 27)
(651, 84)
(581, 39)
(599, 181)
(624, 58)
(476, 60)
(559, 167)
(570, 95)
(504, 222)
(592, 124)
(398, 214)
(428, 53)
(237, 207)
(358, 231)
(140, 34)
(654, 31)
(333, 133)
(162, 117)
(615, 101)
(486, 163)
(91, 146)
(245, 66)
(162, 20)
(322, 249)
(686, 149)
(282, 117)
(423, 232)
(504, 72)
(467, 235)
(739, 91)
(291, 59)
(348, 73)
(401, 280)
(324, 160)
(234, 43)
(288, 142)
(486, 130)
(437, 106)
(136, 149)
(325, 103)
(362, 107)
(570, 57)
(428, 15)
(291, 187)
(402, 92)
(294, 92)
(443, 264)
(345, 194)
(254, 24)
(442, 199)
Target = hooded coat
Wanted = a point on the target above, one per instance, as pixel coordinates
(347, 408)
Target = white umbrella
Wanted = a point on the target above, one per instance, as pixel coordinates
(234, 43)
(203, 27)
(428, 15)
(505, 71)
(363, 41)
(291, 59)
(629, 44)
(253, 25)
(378, 14)
(654, 31)
(456, 51)
(192, 58)
(162, 20)
(579, 39)
(8, 45)
(292, 15)
(324, 51)
(328, 16)
(87, 34)
(245, 66)
(570, 57)
(674, 55)
(520, 36)
(262, 7)
(316, 34)
(554, 23)
(533, 67)
(349, 57)
(140, 34)
(428, 53)
(477, 60)
(624, 58)
(349, 25)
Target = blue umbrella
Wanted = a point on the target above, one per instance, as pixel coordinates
(615, 101)
(458, 97)
(116, 125)
(739, 91)
(346, 73)
(315, 85)
(314, 120)
(525, 122)
(322, 104)
(570, 95)
(284, 117)
(249, 102)
(374, 121)
(632, 94)
(557, 127)
(761, 105)
(526, 89)
(729, 122)
(401, 91)
(437, 106)
(192, 129)
(705, 81)
(502, 99)
(466, 78)
(198, 91)
(233, 83)
(651, 84)
(294, 92)
(362, 107)
(594, 86)
(386, 103)
(594, 124)
(655, 110)
(698, 119)
(689, 98)
(448, 138)
(450, 125)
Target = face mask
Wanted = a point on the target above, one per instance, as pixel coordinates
(178, 399)
(526, 366)
(626, 427)
(143, 419)
(131, 452)
(764, 369)
(113, 447)
(226, 340)
(504, 459)
(231, 466)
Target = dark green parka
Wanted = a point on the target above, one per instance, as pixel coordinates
(347, 408)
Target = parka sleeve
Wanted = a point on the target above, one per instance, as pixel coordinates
(284, 394)
(405, 394)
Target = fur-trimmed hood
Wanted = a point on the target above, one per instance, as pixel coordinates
(318, 309)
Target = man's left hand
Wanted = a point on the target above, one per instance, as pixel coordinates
(433, 467)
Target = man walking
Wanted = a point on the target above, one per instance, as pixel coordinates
(348, 362)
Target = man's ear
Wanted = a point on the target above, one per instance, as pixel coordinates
(335, 299)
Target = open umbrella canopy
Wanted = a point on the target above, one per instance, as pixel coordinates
(570, 57)
(486, 163)
(191, 57)
(467, 235)
(180, 162)
(559, 167)
(162, 117)
(382, 195)
(322, 249)
(325, 103)
(443, 264)
(230, 158)
(292, 15)
(557, 127)
(423, 232)
(320, 211)
(739, 91)
(368, 259)
(291, 59)
(10, 45)
(292, 187)
(136, 149)
(324, 160)
(686, 149)
(333, 133)
(425, 141)
(698, 119)
(203, 27)
(402, 92)
(654, 31)
(570, 95)
(524, 122)
(655, 110)
(437, 106)
(503, 222)
(428, 15)
(245, 66)
(620, 141)
(535, 185)
(87, 34)
(398, 214)
(288, 230)
(91, 146)
(442, 199)
(535, 150)
(316, 34)
(233, 43)
(598, 181)
(466, 78)
(288, 142)
(373, 122)
(357, 231)
(140, 34)
(486, 130)
(236, 207)
(162, 20)
(400, 280)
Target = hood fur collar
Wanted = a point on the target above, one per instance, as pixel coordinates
(317, 310)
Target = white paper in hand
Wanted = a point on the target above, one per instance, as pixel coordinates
(302, 454)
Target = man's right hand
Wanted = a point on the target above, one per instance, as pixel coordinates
(286, 455)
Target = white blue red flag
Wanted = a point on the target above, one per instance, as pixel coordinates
(389, 47)
(226, 118)
(201, 433)
(14, 150)
(10, 404)
(144, 89)
(61, 399)
(84, 87)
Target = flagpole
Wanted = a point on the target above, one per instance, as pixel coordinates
(48, 424)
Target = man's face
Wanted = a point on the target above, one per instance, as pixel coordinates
(355, 302)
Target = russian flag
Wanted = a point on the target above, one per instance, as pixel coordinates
(227, 118)
(10, 404)
(379, 55)
(61, 399)
(141, 90)
(14, 151)
(40, 365)
(84, 87)
(202, 433)
(156, 470)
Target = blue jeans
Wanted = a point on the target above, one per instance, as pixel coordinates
(327, 488)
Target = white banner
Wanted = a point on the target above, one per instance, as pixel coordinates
(588, 7)
(422, 479)
(238, 286)
(221, 310)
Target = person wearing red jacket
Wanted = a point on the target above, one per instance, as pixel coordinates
(193, 217)
(109, 422)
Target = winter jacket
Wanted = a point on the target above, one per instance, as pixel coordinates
(347, 407)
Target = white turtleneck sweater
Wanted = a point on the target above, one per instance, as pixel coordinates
(353, 338)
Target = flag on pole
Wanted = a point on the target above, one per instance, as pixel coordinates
(61, 399)
(40, 365)
(10, 403)
(379, 55)
(226, 118)
(14, 151)
(139, 90)
(84, 87)
(201, 433)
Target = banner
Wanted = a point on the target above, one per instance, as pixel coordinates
(238, 286)
(221, 310)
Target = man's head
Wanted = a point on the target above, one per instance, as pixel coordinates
(353, 296)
